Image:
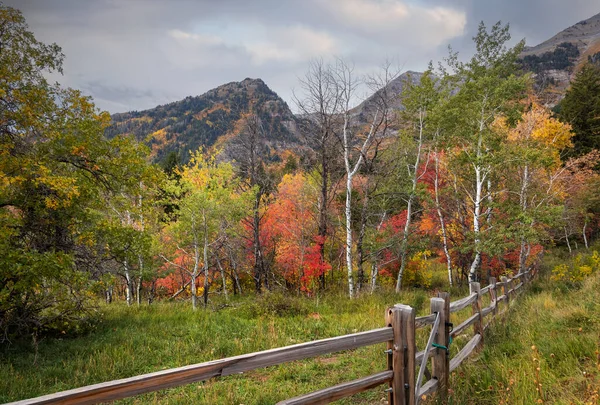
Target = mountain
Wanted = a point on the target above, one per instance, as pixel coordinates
(212, 119)
(392, 92)
(556, 61)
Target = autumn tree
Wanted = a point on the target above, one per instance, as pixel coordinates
(292, 232)
(55, 169)
(249, 151)
(210, 207)
(533, 175)
(487, 87)
(419, 101)
(319, 105)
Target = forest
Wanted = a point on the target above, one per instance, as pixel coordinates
(473, 176)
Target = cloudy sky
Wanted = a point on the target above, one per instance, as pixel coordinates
(136, 54)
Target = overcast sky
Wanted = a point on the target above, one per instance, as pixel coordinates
(136, 54)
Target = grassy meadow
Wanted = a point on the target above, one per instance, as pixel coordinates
(554, 327)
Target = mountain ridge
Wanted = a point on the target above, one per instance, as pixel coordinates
(214, 118)
(211, 119)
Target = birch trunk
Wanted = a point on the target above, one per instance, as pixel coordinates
(223, 279)
(476, 227)
(140, 259)
(139, 280)
(374, 273)
(567, 238)
(129, 286)
(414, 179)
(205, 258)
(196, 265)
(523, 253)
(584, 235)
(479, 179)
(441, 218)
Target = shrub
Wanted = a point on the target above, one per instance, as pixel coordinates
(575, 272)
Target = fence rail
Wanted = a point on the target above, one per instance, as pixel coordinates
(402, 377)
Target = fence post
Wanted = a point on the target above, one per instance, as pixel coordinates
(475, 288)
(441, 358)
(410, 350)
(401, 355)
(439, 370)
(505, 290)
(391, 315)
(493, 296)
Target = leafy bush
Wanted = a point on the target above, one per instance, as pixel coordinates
(575, 272)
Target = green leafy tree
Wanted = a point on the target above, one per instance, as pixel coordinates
(488, 88)
(210, 209)
(581, 109)
(55, 170)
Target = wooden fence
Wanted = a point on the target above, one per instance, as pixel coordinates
(406, 385)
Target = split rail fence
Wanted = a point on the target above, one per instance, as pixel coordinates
(406, 368)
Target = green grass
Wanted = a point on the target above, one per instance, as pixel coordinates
(133, 341)
(552, 327)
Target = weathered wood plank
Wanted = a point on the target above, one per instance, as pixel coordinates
(428, 388)
(419, 355)
(441, 359)
(409, 328)
(398, 394)
(462, 303)
(476, 308)
(485, 290)
(465, 324)
(422, 321)
(438, 304)
(342, 390)
(464, 352)
(486, 311)
(127, 387)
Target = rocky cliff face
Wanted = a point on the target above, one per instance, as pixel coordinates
(212, 119)
(556, 61)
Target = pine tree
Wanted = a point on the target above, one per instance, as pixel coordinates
(581, 109)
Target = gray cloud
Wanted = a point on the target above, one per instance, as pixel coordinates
(135, 54)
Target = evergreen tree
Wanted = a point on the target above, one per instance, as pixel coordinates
(581, 109)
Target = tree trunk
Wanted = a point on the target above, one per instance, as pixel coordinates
(139, 280)
(567, 238)
(360, 254)
(223, 278)
(374, 272)
(129, 286)
(205, 257)
(441, 218)
(404, 245)
(414, 179)
(348, 213)
(259, 270)
(237, 288)
(584, 235)
(322, 231)
(476, 227)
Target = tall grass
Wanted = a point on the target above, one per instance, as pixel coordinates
(545, 350)
(131, 341)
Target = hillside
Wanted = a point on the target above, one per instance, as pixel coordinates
(216, 117)
(393, 92)
(555, 61)
(211, 119)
